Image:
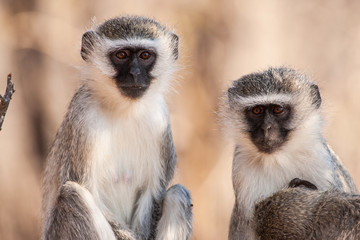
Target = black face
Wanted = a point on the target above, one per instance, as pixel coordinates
(267, 123)
(133, 66)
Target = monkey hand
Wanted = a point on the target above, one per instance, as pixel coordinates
(297, 182)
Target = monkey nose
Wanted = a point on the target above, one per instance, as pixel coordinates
(135, 71)
(266, 128)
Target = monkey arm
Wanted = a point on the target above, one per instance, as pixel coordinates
(76, 216)
(240, 225)
(168, 154)
(344, 181)
(176, 219)
(172, 216)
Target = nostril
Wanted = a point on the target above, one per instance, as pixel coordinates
(266, 127)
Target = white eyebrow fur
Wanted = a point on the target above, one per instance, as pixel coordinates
(265, 99)
(132, 42)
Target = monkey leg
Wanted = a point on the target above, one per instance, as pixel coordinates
(176, 220)
(76, 216)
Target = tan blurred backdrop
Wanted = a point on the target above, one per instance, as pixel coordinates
(220, 41)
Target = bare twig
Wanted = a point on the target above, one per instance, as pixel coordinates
(5, 100)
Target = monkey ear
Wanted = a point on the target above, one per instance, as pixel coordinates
(175, 45)
(88, 44)
(232, 95)
(315, 94)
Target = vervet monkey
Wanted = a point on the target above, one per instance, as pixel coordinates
(305, 213)
(275, 120)
(113, 157)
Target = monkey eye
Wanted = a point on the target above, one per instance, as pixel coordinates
(257, 110)
(122, 54)
(145, 55)
(278, 109)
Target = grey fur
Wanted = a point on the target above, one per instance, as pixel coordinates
(276, 81)
(127, 27)
(240, 225)
(169, 155)
(286, 86)
(71, 216)
(177, 197)
(87, 44)
(66, 211)
(67, 159)
(300, 213)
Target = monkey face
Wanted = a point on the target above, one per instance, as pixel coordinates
(133, 67)
(125, 56)
(267, 126)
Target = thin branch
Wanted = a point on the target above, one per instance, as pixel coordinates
(5, 100)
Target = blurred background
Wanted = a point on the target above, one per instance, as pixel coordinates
(221, 40)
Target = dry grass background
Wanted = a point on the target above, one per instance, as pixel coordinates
(220, 41)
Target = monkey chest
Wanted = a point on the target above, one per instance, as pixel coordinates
(126, 164)
(126, 176)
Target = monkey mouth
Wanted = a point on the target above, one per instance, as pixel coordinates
(133, 92)
(269, 142)
(268, 146)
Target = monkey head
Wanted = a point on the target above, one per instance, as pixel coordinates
(132, 54)
(267, 107)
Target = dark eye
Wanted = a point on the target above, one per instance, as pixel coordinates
(257, 110)
(122, 54)
(145, 55)
(278, 109)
